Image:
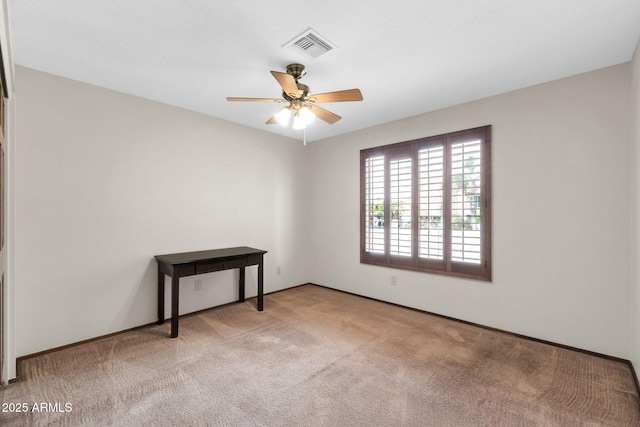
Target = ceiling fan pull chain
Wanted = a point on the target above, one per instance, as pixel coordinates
(304, 136)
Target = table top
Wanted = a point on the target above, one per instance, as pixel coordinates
(209, 255)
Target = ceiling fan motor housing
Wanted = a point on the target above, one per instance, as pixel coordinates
(303, 91)
(296, 70)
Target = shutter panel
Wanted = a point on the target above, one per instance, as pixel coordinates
(400, 177)
(431, 204)
(374, 204)
(466, 216)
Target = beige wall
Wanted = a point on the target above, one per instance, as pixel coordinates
(635, 252)
(104, 181)
(7, 354)
(561, 214)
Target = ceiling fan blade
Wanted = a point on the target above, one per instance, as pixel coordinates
(256, 99)
(325, 115)
(271, 121)
(288, 83)
(339, 96)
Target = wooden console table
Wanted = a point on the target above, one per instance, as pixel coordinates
(192, 263)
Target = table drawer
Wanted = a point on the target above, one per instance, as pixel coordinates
(207, 267)
(184, 270)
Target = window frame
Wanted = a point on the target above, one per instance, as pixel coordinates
(446, 266)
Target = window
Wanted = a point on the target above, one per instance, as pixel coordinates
(426, 204)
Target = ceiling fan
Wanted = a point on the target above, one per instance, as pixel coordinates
(302, 106)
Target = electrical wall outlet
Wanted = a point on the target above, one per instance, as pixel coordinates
(278, 270)
(197, 285)
(394, 280)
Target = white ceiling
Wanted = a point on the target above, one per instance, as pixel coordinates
(407, 57)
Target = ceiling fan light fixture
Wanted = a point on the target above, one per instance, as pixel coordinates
(298, 121)
(306, 115)
(283, 116)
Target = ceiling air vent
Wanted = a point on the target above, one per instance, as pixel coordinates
(311, 44)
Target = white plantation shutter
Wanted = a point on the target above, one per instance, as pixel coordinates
(374, 204)
(400, 206)
(431, 203)
(425, 204)
(465, 190)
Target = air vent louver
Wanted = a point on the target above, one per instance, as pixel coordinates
(310, 44)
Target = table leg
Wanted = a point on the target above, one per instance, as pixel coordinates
(241, 285)
(175, 294)
(160, 296)
(260, 285)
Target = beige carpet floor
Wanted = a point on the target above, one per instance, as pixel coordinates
(319, 357)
